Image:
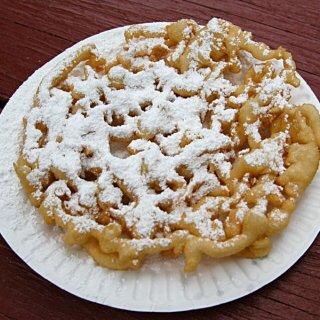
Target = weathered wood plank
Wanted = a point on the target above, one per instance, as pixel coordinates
(271, 302)
(41, 21)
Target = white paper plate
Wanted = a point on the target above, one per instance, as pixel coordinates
(159, 285)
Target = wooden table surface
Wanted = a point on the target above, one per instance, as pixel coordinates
(33, 32)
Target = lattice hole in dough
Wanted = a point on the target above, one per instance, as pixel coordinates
(174, 185)
(165, 206)
(145, 105)
(155, 186)
(44, 133)
(207, 120)
(133, 113)
(127, 198)
(91, 174)
(117, 120)
(183, 171)
(119, 148)
(264, 128)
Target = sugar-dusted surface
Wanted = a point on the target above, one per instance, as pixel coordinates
(164, 286)
(52, 28)
(168, 122)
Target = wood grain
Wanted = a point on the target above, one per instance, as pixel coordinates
(33, 32)
(40, 29)
(25, 295)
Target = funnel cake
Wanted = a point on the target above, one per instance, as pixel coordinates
(182, 141)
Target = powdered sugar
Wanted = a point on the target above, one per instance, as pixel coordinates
(141, 244)
(261, 207)
(252, 130)
(79, 131)
(270, 187)
(278, 215)
(215, 25)
(276, 92)
(242, 210)
(270, 154)
(127, 134)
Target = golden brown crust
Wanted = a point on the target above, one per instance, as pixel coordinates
(240, 221)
